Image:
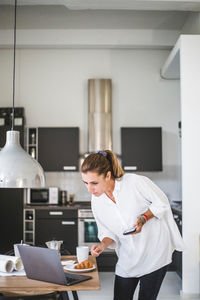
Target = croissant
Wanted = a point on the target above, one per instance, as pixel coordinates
(86, 264)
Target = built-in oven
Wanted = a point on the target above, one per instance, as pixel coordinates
(87, 229)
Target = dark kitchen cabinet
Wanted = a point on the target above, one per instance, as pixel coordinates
(58, 225)
(107, 261)
(177, 262)
(11, 218)
(177, 255)
(58, 148)
(141, 148)
(11, 200)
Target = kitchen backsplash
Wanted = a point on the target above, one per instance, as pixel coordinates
(169, 180)
(69, 181)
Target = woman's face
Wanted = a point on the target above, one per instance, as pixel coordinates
(96, 184)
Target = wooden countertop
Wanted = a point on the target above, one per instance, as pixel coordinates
(21, 285)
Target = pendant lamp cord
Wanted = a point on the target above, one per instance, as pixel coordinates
(13, 104)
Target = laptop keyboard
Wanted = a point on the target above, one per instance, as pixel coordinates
(70, 279)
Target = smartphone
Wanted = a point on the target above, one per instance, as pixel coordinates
(130, 230)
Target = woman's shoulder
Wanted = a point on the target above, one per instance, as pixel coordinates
(129, 177)
(134, 180)
(135, 177)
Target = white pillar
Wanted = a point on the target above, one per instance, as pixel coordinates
(190, 112)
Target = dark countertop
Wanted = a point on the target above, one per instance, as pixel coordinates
(175, 205)
(76, 205)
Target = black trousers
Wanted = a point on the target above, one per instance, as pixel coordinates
(150, 284)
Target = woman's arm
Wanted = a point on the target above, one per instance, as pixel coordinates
(142, 220)
(97, 249)
(149, 215)
(156, 200)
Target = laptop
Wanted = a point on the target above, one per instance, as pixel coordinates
(44, 264)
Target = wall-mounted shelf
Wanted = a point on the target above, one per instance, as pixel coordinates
(32, 142)
(29, 226)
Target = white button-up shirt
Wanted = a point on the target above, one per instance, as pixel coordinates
(150, 249)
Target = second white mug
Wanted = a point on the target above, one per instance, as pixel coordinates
(82, 253)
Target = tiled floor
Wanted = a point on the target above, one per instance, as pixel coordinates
(170, 289)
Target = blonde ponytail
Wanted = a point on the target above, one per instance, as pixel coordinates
(117, 170)
(102, 162)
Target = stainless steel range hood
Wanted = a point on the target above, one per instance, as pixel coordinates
(99, 114)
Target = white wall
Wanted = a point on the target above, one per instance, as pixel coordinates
(52, 86)
(190, 110)
(192, 24)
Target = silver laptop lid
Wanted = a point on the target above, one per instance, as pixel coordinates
(42, 264)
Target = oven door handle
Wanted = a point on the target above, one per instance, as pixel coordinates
(87, 220)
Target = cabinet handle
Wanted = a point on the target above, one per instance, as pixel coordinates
(69, 168)
(56, 213)
(130, 168)
(68, 223)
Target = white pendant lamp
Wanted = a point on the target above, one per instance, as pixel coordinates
(17, 168)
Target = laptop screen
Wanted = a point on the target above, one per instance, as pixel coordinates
(44, 264)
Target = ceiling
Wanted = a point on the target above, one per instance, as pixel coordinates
(178, 5)
(59, 17)
(98, 14)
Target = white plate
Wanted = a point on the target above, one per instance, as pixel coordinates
(71, 269)
(67, 262)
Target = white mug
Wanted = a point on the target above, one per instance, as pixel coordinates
(82, 253)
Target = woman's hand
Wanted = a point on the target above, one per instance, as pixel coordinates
(97, 249)
(138, 224)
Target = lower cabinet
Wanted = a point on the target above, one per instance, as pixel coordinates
(106, 262)
(177, 255)
(177, 259)
(57, 225)
(11, 218)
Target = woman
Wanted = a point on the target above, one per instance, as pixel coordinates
(119, 202)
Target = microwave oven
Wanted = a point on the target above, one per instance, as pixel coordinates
(46, 196)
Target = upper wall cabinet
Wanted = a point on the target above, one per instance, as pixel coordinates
(58, 148)
(141, 148)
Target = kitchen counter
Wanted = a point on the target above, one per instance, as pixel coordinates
(176, 206)
(76, 205)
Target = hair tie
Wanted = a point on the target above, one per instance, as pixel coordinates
(102, 153)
